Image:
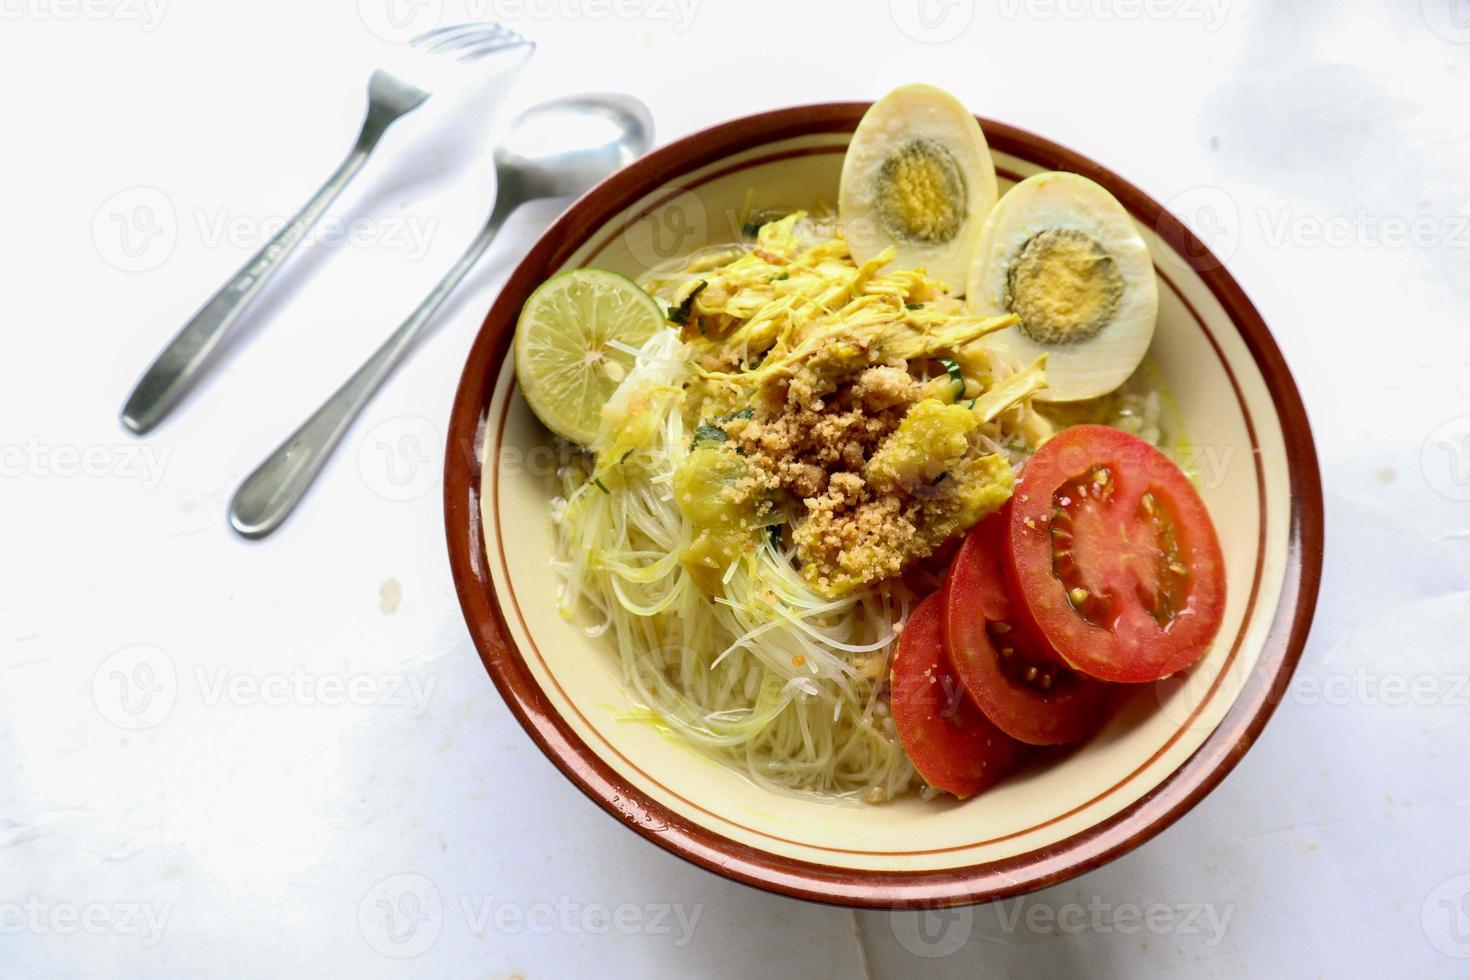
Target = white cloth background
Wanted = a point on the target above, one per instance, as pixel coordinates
(237, 825)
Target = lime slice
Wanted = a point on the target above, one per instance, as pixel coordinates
(564, 361)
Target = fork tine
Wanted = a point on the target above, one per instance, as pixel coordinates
(439, 33)
(478, 51)
(493, 38)
(447, 40)
(457, 46)
(498, 33)
(448, 37)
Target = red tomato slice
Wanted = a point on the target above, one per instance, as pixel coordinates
(1009, 672)
(952, 745)
(1113, 557)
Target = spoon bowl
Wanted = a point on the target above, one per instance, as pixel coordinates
(564, 147)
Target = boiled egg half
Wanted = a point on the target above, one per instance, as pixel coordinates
(1062, 254)
(918, 176)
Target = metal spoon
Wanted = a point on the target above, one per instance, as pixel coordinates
(555, 149)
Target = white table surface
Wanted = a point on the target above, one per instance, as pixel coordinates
(219, 758)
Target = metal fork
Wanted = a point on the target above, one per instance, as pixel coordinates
(390, 97)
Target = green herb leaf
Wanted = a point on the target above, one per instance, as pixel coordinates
(744, 413)
(707, 433)
(952, 368)
(780, 275)
(602, 486)
(624, 458)
(680, 313)
(913, 306)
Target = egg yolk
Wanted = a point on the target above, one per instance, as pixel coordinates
(921, 192)
(1064, 286)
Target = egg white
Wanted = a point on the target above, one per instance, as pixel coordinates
(1083, 368)
(916, 112)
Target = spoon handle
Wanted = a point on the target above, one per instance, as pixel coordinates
(273, 490)
(175, 369)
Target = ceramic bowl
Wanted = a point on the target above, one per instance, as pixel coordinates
(1168, 746)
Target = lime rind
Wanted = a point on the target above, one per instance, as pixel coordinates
(564, 362)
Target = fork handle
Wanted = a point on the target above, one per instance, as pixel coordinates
(176, 368)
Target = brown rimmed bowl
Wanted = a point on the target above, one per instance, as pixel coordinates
(1169, 745)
